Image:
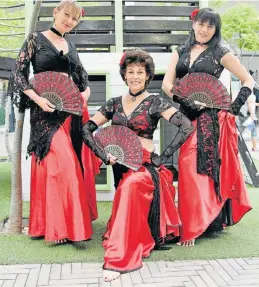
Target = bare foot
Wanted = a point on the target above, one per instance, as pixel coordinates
(110, 275)
(189, 243)
(61, 241)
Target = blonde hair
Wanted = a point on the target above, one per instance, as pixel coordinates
(72, 3)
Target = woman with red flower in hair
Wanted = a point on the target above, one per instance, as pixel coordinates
(211, 188)
(143, 209)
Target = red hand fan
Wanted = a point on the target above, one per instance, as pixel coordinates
(122, 143)
(60, 90)
(204, 88)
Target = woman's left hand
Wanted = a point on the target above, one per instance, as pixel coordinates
(86, 94)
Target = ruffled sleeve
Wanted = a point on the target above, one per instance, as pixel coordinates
(80, 76)
(159, 105)
(108, 109)
(19, 78)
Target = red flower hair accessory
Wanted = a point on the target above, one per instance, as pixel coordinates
(83, 12)
(123, 58)
(194, 13)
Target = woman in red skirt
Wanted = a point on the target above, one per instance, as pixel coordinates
(62, 206)
(212, 192)
(143, 210)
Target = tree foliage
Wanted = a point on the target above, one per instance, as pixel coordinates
(240, 28)
(11, 27)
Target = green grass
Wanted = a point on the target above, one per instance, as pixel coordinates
(241, 240)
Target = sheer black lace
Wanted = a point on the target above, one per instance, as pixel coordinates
(185, 130)
(240, 100)
(43, 56)
(88, 139)
(143, 120)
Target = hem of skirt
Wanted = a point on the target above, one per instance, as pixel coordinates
(61, 238)
(122, 271)
(201, 232)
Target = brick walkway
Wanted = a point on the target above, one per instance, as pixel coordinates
(202, 273)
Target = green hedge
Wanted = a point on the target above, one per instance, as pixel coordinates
(2, 116)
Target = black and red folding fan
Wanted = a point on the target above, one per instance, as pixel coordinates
(122, 143)
(204, 88)
(60, 90)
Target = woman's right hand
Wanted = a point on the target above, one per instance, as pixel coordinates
(46, 105)
(112, 158)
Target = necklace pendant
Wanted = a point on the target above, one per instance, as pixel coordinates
(133, 99)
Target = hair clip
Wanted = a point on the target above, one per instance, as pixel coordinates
(194, 13)
(123, 58)
(83, 12)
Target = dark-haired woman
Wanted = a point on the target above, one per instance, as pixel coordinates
(143, 209)
(212, 192)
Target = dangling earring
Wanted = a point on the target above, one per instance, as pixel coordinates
(126, 82)
(146, 83)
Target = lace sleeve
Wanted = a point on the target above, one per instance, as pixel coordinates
(107, 109)
(80, 76)
(19, 78)
(159, 105)
(222, 52)
(180, 50)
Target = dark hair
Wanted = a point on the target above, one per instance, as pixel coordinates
(206, 15)
(135, 56)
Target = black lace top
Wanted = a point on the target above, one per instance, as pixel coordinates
(208, 160)
(43, 56)
(143, 120)
(207, 62)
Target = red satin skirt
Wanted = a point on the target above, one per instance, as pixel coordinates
(128, 238)
(198, 205)
(62, 202)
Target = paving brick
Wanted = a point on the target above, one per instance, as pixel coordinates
(74, 281)
(44, 274)
(136, 277)
(55, 272)
(103, 283)
(81, 275)
(153, 267)
(198, 281)
(234, 264)
(144, 271)
(126, 280)
(8, 283)
(175, 274)
(215, 275)
(161, 265)
(8, 276)
(207, 279)
(116, 283)
(66, 268)
(230, 270)
(20, 280)
(222, 272)
(32, 279)
(167, 279)
(189, 284)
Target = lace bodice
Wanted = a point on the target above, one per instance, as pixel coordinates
(43, 56)
(207, 62)
(143, 120)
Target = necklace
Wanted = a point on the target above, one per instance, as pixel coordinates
(134, 96)
(200, 44)
(57, 32)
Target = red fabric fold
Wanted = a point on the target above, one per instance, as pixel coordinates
(198, 205)
(63, 203)
(128, 238)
